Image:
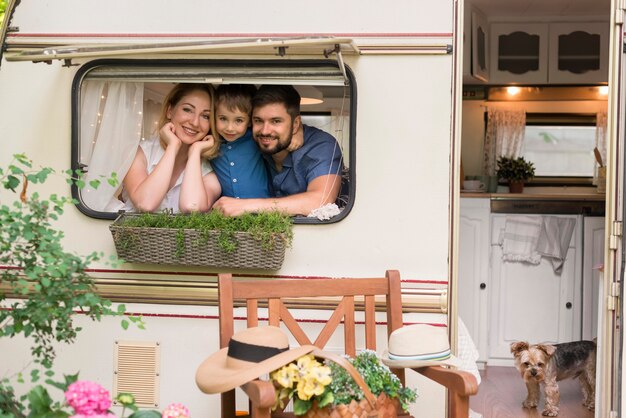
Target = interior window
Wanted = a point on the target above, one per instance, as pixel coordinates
(116, 104)
(560, 145)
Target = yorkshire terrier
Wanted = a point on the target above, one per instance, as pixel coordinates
(547, 364)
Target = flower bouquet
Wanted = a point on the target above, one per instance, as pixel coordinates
(340, 386)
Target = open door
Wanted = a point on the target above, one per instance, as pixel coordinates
(609, 387)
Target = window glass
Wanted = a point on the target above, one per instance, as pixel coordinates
(560, 149)
(116, 105)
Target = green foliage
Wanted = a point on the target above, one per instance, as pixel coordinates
(377, 376)
(38, 399)
(515, 169)
(49, 283)
(3, 6)
(266, 227)
(41, 404)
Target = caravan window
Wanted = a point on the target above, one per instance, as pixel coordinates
(116, 104)
(561, 145)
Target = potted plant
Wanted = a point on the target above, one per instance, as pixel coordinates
(322, 389)
(204, 239)
(515, 171)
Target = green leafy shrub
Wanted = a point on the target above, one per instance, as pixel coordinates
(45, 283)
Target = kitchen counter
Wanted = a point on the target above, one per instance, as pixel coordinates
(588, 203)
(537, 196)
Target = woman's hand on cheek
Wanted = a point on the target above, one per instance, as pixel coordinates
(201, 146)
(168, 135)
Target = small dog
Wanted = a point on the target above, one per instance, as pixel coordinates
(547, 364)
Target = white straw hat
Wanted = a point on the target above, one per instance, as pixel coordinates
(250, 354)
(419, 345)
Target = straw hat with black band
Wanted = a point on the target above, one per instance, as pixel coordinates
(250, 354)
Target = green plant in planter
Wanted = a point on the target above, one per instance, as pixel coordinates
(265, 227)
(515, 169)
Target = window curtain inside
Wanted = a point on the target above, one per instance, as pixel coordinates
(111, 128)
(601, 119)
(504, 137)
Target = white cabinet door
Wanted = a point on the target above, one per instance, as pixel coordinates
(579, 52)
(593, 233)
(519, 53)
(473, 277)
(532, 302)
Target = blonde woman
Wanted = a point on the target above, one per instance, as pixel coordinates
(172, 171)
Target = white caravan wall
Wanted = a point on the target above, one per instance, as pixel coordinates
(234, 17)
(400, 217)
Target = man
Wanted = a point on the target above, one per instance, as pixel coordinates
(302, 180)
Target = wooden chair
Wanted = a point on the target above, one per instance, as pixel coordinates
(341, 293)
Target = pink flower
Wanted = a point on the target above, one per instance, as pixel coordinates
(107, 415)
(88, 399)
(176, 410)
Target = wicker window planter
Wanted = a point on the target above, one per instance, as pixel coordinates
(159, 245)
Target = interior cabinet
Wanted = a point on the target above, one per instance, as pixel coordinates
(555, 53)
(532, 302)
(519, 53)
(579, 52)
(480, 47)
(473, 276)
(593, 250)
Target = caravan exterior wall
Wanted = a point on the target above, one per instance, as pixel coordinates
(403, 138)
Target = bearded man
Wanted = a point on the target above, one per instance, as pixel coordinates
(302, 180)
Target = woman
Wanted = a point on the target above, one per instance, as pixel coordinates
(172, 171)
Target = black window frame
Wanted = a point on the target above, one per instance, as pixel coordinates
(349, 185)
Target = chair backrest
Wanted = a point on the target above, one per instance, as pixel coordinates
(339, 294)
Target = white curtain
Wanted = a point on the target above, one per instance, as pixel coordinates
(504, 136)
(111, 127)
(600, 142)
(601, 134)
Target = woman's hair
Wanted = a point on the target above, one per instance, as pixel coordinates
(175, 96)
(284, 94)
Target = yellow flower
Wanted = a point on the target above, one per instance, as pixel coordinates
(322, 375)
(305, 363)
(286, 376)
(309, 387)
(305, 389)
(309, 376)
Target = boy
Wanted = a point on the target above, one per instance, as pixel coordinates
(239, 167)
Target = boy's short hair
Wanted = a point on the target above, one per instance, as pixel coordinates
(235, 97)
(285, 94)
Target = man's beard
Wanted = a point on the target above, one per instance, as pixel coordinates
(280, 146)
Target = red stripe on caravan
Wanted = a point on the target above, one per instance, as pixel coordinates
(230, 35)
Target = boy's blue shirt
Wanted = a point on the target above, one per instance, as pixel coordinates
(240, 169)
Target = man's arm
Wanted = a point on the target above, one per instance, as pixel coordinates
(320, 191)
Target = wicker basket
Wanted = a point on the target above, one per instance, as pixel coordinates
(160, 246)
(385, 408)
(368, 407)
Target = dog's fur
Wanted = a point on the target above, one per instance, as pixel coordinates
(546, 364)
